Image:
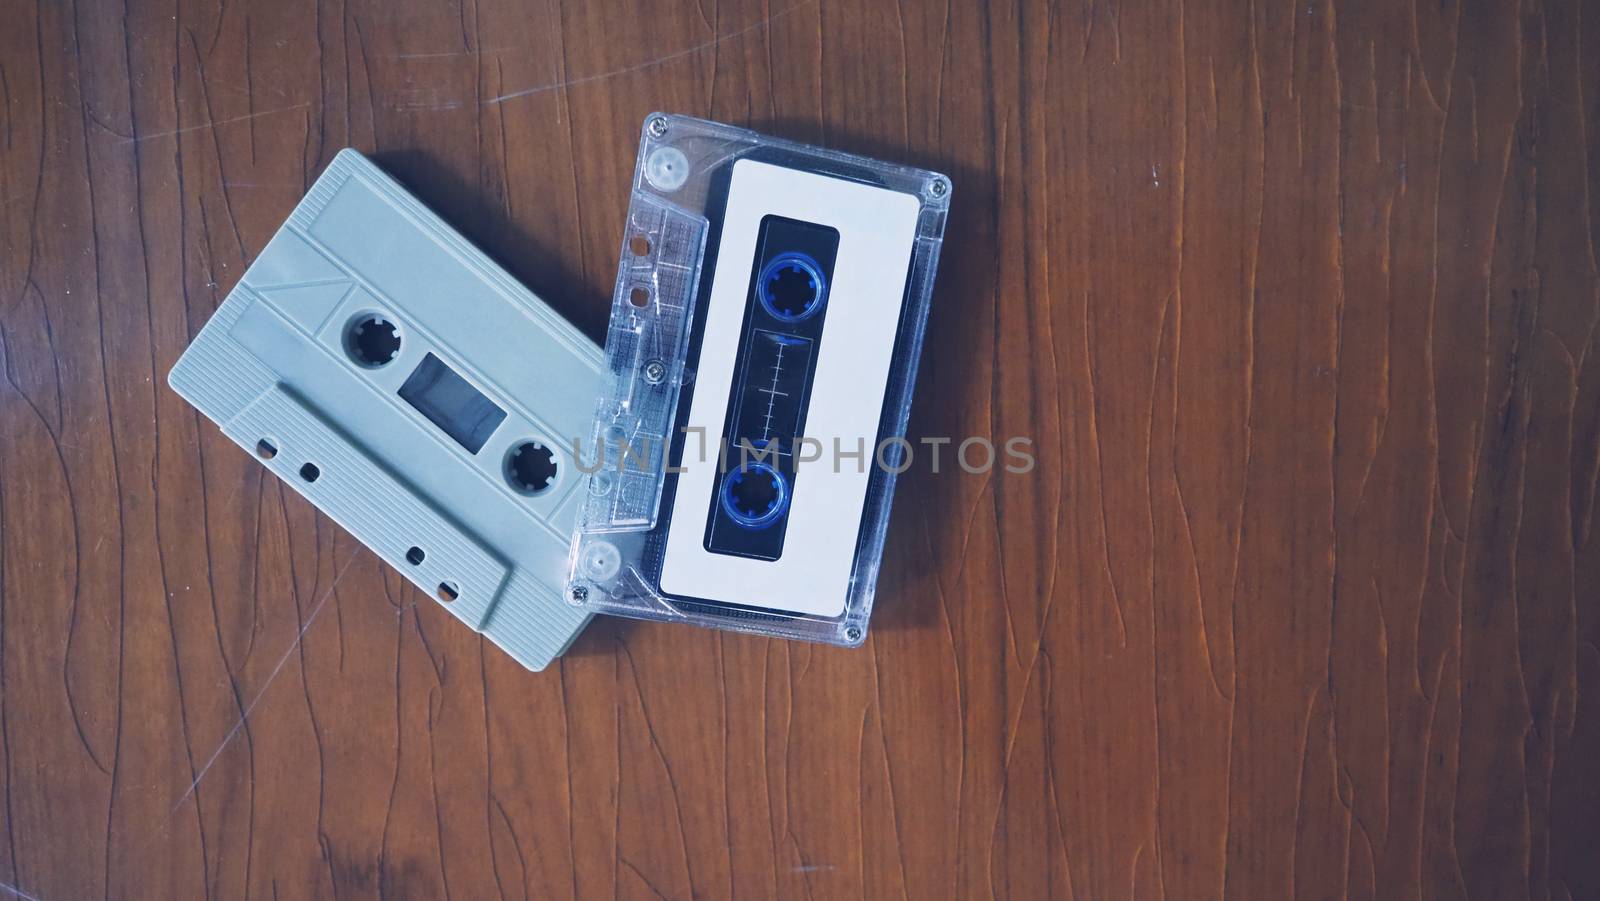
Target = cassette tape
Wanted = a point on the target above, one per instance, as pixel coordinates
(764, 337)
(415, 393)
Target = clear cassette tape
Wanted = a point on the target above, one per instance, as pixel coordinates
(763, 345)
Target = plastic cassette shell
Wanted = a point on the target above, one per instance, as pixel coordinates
(680, 178)
(367, 443)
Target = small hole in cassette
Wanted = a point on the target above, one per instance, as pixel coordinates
(266, 449)
(310, 472)
(447, 592)
(415, 556)
(639, 246)
(639, 297)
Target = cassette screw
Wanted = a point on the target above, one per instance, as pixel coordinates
(655, 371)
(580, 593)
(853, 633)
(939, 187)
(658, 126)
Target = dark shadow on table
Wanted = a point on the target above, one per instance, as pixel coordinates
(480, 218)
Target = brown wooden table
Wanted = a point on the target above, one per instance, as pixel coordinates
(1298, 302)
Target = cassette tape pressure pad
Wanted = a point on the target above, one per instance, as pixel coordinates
(763, 344)
(414, 392)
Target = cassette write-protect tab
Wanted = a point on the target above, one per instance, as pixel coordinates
(418, 395)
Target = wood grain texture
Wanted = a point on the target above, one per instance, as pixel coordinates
(1298, 301)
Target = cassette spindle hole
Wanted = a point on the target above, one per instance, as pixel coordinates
(416, 555)
(639, 245)
(530, 468)
(266, 449)
(755, 495)
(792, 287)
(310, 472)
(372, 340)
(447, 592)
(639, 297)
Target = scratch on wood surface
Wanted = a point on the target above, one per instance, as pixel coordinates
(139, 139)
(17, 892)
(652, 63)
(272, 675)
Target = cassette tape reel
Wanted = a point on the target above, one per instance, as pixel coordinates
(764, 338)
(415, 393)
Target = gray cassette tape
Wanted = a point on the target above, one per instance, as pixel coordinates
(415, 393)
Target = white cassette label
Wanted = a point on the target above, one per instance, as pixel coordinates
(877, 228)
